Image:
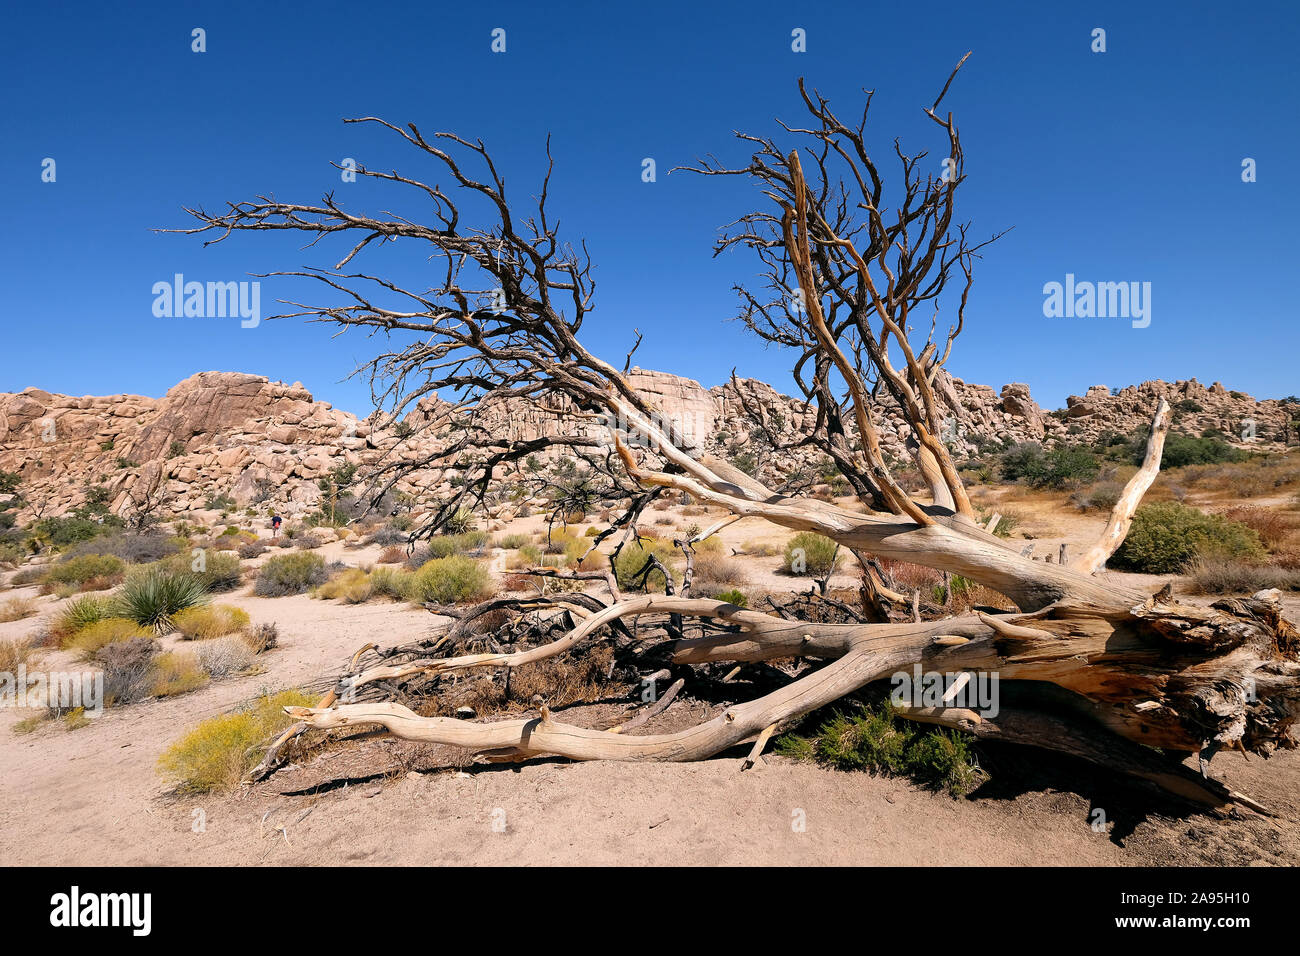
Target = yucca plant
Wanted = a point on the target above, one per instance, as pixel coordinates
(151, 598)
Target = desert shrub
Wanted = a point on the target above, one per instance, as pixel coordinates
(208, 621)
(390, 583)
(461, 521)
(25, 576)
(102, 570)
(88, 641)
(714, 569)
(1181, 450)
(1219, 575)
(810, 554)
(393, 554)
(14, 652)
(1100, 497)
(223, 656)
(290, 574)
(738, 598)
(176, 673)
(450, 580)
(17, 609)
(351, 587)
(80, 613)
(387, 536)
(1271, 526)
(514, 541)
(261, 638)
(217, 753)
(252, 549)
(1166, 536)
(152, 597)
(876, 740)
(131, 548)
(308, 542)
(216, 570)
(66, 531)
(632, 558)
(128, 669)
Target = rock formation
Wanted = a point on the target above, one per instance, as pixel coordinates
(266, 443)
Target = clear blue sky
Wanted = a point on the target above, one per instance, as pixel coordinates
(1122, 166)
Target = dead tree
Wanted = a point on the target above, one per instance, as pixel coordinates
(1110, 673)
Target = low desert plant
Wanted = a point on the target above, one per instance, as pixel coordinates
(177, 673)
(632, 559)
(261, 638)
(153, 597)
(87, 572)
(217, 753)
(252, 549)
(738, 598)
(876, 740)
(810, 554)
(17, 609)
(1218, 575)
(514, 541)
(451, 580)
(128, 669)
(290, 574)
(88, 641)
(224, 656)
(131, 548)
(13, 653)
(1166, 536)
(351, 587)
(209, 621)
(80, 613)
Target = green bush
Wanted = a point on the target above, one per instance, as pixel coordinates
(876, 740)
(632, 558)
(1063, 466)
(85, 568)
(293, 573)
(514, 541)
(450, 580)
(151, 597)
(80, 613)
(738, 598)
(218, 570)
(1183, 450)
(1166, 536)
(66, 531)
(811, 555)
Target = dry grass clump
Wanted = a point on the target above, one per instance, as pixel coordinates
(17, 609)
(223, 656)
(176, 672)
(1222, 575)
(714, 569)
(1273, 527)
(15, 652)
(393, 554)
(214, 620)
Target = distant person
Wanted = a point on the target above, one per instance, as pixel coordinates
(275, 526)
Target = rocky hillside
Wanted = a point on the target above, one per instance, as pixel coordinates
(263, 442)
